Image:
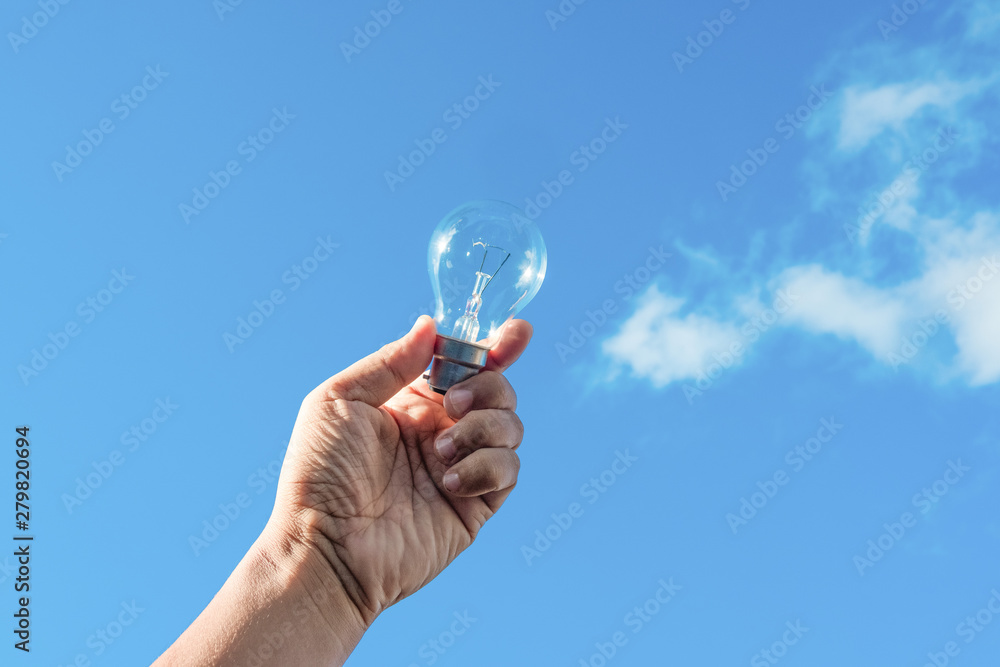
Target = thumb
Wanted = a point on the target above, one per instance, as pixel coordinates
(381, 375)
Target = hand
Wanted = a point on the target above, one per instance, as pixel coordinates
(385, 482)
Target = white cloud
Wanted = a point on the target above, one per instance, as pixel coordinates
(659, 345)
(963, 279)
(901, 213)
(977, 331)
(960, 277)
(945, 259)
(867, 112)
(830, 303)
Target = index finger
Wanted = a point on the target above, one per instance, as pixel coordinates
(514, 338)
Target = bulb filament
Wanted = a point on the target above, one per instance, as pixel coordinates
(467, 326)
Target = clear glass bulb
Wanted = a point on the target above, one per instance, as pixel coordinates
(486, 262)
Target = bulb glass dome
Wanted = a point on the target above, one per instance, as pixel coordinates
(486, 262)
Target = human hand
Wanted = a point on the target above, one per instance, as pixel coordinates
(370, 483)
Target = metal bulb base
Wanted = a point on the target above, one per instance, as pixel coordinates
(454, 361)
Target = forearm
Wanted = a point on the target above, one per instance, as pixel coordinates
(279, 607)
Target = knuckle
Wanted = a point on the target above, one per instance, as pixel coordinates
(495, 475)
(497, 389)
(494, 472)
(471, 433)
(486, 431)
(516, 464)
(518, 426)
(508, 472)
(510, 394)
(493, 428)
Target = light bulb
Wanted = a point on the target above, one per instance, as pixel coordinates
(486, 262)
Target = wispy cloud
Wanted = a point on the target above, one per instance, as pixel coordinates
(949, 271)
(831, 303)
(659, 344)
(867, 112)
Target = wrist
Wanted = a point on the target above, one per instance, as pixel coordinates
(322, 605)
(279, 607)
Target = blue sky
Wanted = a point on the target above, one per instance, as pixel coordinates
(745, 368)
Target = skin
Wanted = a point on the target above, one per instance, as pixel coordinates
(372, 504)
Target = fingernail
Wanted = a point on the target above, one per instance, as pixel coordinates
(451, 481)
(446, 447)
(460, 400)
